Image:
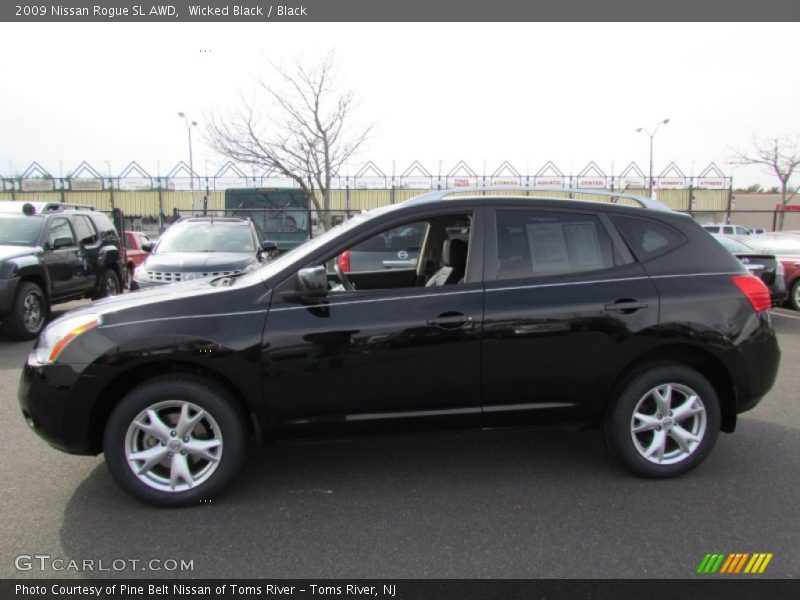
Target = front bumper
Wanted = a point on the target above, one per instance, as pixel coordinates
(8, 287)
(56, 403)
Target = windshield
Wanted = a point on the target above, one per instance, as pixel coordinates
(211, 236)
(732, 245)
(20, 230)
(309, 247)
(776, 244)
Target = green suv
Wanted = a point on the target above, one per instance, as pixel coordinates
(52, 252)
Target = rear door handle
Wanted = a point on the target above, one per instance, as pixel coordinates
(625, 306)
(450, 321)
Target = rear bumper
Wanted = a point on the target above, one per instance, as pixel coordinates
(756, 369)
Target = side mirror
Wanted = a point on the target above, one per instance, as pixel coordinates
(63, 242)
(268, 246)
(311, 285)
(148, 246)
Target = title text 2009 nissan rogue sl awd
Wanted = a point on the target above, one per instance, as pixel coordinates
(540, 310)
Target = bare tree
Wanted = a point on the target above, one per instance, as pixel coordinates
(307, 137)
(781, 157)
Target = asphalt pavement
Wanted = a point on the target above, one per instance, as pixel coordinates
(504, 504)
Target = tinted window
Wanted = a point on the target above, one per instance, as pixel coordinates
(84, 230)
(207, 236)
(647, 238)
(531, 243)
(711, 228)
(732, 245)
(20, 231)
(59, 228)
(107, 230)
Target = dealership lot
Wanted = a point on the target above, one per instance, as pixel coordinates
(497, 504)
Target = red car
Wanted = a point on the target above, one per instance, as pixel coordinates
(786, 248)
(134, 251)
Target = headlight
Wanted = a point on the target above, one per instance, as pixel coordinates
(59, 334)
(140, 274)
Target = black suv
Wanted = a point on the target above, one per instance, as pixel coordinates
(633, 319)
(52, 252)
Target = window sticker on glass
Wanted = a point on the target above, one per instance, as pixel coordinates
(548, 247)
(584, 245)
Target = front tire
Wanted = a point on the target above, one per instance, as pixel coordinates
(28, 313)
(663, 421)
(175, 441)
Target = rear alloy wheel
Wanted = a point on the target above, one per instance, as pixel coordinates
(794, 296)
(28, 313)
(109, 285)
(664, 421)
(175, 441)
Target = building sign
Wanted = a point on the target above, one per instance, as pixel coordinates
(462, 181)
(672, 183)
(711, 183)
(592, 182)
(86, 185)
(370, 183)
(506, 180)
(139, 183)
(554, 182)
(37, 185)
(789, 207)
(632, 182)
(415, 183)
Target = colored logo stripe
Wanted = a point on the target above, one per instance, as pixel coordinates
(734, 562)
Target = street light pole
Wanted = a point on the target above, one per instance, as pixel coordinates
(651, 135)
(189, 125)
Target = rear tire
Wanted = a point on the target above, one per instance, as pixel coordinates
(175, 440)
(663, 421)
(26, 319)
(109, 285)
(794, 295)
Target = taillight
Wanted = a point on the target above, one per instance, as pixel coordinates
(344, 261)
(755, 291)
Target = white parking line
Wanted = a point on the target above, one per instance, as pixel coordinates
(780, 314)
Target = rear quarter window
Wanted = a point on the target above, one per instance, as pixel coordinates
(647, 238)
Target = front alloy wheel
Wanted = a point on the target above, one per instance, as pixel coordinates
(175, 440)
(663, 420)
(173, 445)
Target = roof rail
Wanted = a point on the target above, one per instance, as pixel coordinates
(59, 206)
(644, 201)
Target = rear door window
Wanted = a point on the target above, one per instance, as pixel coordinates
(534, 243)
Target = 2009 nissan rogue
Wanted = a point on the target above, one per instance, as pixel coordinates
(537, 310)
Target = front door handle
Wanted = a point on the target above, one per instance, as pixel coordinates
(450, 320)
(625, 306)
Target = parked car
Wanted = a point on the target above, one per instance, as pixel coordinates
(547, 311)
(786, 248)
(50, 253)
(137, 248)
(765, 266)
(726, 229)
(201, 248)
